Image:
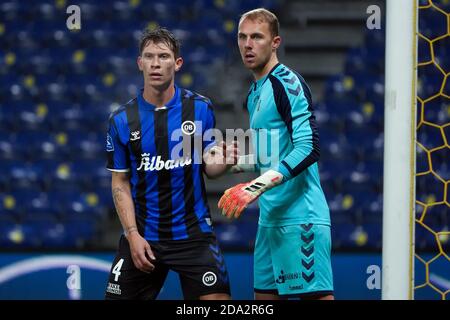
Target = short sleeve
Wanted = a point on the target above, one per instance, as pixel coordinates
(209, 124)
(115, 149)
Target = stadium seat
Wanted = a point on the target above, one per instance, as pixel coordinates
(236, 235)
(75, 204)
(10, 206)
(16, 236)
(81, 231)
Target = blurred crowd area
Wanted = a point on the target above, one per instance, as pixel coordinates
(57, 88)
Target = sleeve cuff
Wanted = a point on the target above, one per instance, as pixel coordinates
(284, 170)
(118, 170)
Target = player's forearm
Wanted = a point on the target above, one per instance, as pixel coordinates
(305, 153)
(123, 202)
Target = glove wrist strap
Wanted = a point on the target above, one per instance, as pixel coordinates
(264, 182)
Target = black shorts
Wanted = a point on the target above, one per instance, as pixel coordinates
(199, 264)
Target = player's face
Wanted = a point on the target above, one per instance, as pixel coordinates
(158, 64)
(256, 43)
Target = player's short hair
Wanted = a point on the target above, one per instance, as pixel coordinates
(160, 35)
(263, 15)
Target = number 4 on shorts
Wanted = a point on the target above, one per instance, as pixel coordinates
(116, 269)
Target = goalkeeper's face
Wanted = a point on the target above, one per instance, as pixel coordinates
(256, 43)
(158, 65)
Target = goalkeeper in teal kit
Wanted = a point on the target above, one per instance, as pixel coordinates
(293, 243)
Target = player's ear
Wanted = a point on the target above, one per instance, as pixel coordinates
(276, 42)
(178, 63)
(139, 63)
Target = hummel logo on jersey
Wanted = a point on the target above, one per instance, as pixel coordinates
(109, 143)
(135, 135)
(155, 163)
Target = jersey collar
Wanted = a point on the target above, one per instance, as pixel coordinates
(260, 82)
(172, 103)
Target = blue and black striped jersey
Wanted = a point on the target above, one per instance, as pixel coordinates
(162, 149)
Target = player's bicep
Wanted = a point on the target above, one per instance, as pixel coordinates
(120, 178)
(302, 130)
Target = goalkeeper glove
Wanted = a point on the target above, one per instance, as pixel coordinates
(237, 198)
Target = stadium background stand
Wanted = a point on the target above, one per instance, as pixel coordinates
(57, 88)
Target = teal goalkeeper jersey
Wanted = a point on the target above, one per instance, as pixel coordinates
(286, 140)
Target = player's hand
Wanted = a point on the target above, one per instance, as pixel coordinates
(225, 153)
(231, 153)
(236, 199)
(141, 252)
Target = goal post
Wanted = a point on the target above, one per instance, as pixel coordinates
(399, 150)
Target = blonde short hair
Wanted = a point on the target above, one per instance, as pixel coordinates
(263, 15)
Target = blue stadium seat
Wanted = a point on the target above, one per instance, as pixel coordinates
(57, 174)
(105, 196)
(32, 116)
(333, 146)
(21, 176)
(355, 60)
(432, 23)
(332, 174)
(374, 234)
(424, 49)
(53, 235)
(81, 231)
(430, 81)
(350, 236)
(8, 115)
(236, 235)
(366, 143)
(322, 114)
(37, 204)
(340, 88)
(430, 137)
(425, 239)
(341, 235)
(11, 206)
(76, 204)
(27, 143)
(85, 145)
(15, 236)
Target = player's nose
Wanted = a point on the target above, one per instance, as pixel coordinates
(155, 63)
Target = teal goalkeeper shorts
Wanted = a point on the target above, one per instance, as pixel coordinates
(293, 261)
